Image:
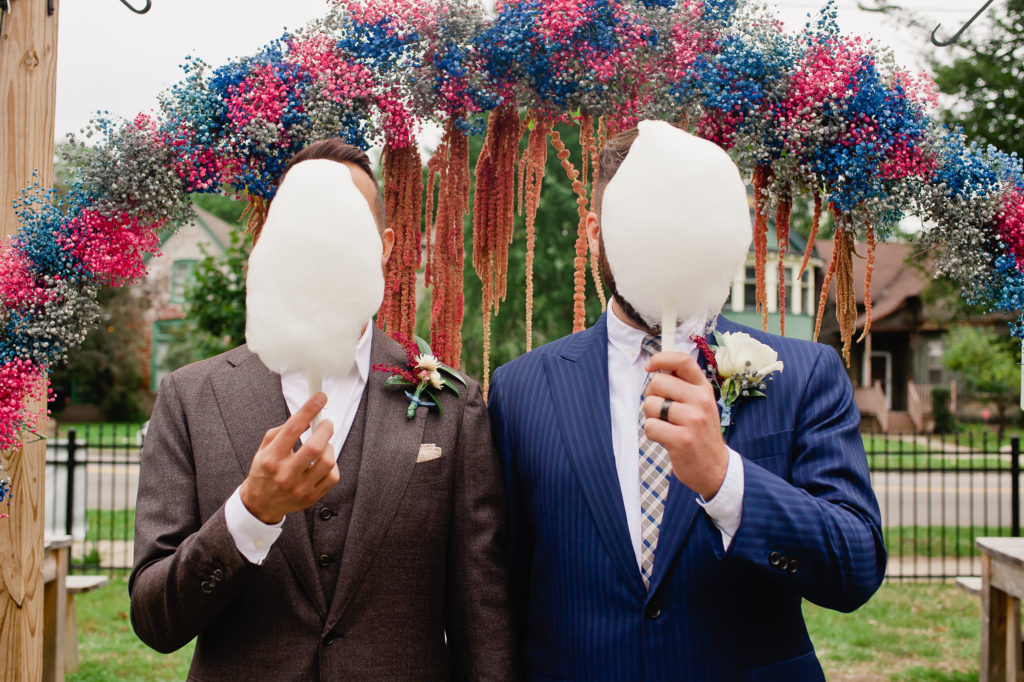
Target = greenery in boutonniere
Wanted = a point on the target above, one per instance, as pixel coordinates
(425, 372)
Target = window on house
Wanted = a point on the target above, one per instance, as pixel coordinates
(163, 336)
(750, 289)
(183, 273)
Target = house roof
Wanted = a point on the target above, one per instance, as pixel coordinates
(894, 281)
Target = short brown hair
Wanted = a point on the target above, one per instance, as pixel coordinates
(612, 156)
(333, 149)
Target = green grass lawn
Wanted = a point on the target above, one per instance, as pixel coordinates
(894, 462)
(108, 434)
(935, 541)
(110, 524)
(108, 648)
(908, 631)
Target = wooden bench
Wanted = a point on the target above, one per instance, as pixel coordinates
(76, 584)
(971, 584)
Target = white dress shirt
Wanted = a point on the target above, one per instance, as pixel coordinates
(253, 537)
(626, 377)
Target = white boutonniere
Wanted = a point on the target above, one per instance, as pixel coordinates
(739, 367)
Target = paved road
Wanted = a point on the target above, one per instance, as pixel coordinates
(943, 498)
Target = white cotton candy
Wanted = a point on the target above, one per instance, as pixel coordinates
(314, 276)
(676, 224)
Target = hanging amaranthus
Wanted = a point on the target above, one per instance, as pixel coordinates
(493, 215)
(760, 182)
(531, 177)
(403, 199)
(588, 144)
(840, 268)
(782, 215)
(449, 170)
(255, 214)
(579, 297)
(868, 272)
(815, 225)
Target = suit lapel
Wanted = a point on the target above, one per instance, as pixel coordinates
(681, 509)
(390, 447)
(251, 403)
(579, 379)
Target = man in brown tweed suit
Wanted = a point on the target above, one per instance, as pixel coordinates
(370, 552)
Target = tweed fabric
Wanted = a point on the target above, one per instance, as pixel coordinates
(421, 585)
(810, 527)
(655, 470)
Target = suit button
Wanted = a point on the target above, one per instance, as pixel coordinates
(217, 575)
(207, 586)
(774, 558)
(653, 611)
(326, 514)
(792, 566)
(783, 563)
(325, 560)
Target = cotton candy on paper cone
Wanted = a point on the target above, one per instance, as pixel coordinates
(676, 225)
(314, 276)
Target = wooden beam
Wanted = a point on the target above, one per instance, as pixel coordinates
(28, 86)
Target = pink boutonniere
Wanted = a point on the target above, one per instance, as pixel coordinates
(425, 372)
(739, 367)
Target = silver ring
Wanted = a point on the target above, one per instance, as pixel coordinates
(665, 405)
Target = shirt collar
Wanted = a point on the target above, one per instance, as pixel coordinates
(629, 340)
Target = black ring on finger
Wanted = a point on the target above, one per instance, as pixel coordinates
(665, 405)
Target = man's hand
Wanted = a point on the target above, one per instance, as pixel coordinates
(692, 434)
(281, 481)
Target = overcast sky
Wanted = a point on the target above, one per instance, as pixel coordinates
(110, 59)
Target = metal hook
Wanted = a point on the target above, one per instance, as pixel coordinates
(149, 6)
(956, 36)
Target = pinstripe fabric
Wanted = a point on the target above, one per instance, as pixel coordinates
(655, 473)
(720, 615)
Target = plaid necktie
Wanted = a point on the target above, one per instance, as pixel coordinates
(654, 481)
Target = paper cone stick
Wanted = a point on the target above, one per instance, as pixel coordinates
(316, 384)
(668, 327)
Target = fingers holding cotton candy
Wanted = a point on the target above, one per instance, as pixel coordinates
(676, 224)
(314, 277)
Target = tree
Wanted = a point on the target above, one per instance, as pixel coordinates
(982, 76)
(110, 370)
(989, 365)
(987, 79)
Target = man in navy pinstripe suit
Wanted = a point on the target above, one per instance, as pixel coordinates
(782, 511)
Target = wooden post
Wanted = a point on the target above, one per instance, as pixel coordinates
(28, 81)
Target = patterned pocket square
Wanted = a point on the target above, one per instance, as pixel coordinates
(428, 452)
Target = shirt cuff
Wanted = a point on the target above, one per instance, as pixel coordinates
(252, 537)
(726, 507)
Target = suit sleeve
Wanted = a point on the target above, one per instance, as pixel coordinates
(478, 620)
(185, 571)
(818, 533)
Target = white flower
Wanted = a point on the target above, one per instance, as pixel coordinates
(428, 363)
(741, 354)
(435, 379)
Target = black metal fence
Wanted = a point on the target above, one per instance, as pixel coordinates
(92, 476)
(936, 495)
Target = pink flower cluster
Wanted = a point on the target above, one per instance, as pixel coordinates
(262, 96)
(18, 378)
(1010, 223)
(18, 288)
(111, 248)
